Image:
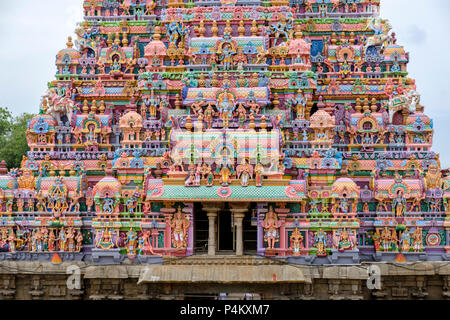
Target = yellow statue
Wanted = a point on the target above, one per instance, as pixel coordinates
(27, 180)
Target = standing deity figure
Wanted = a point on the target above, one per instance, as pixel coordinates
(225, 175)
(20, 204)
(399, 204)
(209, 116)
(89, 203)
(198, 175)
(240, 59)
(213, 61)
(244, 172)
(416, 204)
(75, 202)
(51, 241)
(38, 240)
(417, 240)
(79, 239)
(45, 237)
(377, 240)
(259, 172)
(296, 242)
(12, 241)
(131, 242)
(62, 239)
(180, 224)
(320, 242)
(394, 241)
(344, 206)
(241, 113)
(271, 225)
(386, 239)
(70, 240)
(405, 240)
(227, 58)
(226, 108)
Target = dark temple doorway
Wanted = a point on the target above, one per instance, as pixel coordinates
(201, 229)
(250, 233)
(225, 230)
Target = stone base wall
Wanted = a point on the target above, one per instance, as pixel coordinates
(45, 281)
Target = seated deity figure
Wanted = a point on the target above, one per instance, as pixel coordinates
(345, 242)
(105, 241)
(207, 174)
(116, 66)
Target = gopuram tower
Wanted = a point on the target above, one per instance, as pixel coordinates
(227, 127)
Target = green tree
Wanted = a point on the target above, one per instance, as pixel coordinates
(13, 139)
(5, 122)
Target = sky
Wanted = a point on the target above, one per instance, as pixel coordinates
(32, 32)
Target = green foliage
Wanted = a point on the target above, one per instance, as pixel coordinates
(13, 140)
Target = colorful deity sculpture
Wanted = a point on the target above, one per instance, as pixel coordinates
(245, 172)
(386, 239)
(417, 240)
(105, 240)
(344, 242)
(405, 240)
(320, 242)
(131, 242)
(296, 240)
(259, 171)
(271, 225)
(179, 224)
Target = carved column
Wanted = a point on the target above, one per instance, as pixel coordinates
(212, 216)
(238, 215)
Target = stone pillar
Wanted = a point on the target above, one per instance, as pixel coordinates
(238, 215)
(212, 216)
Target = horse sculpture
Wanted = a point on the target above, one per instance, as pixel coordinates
(409, 101)
(381, 36)
(56, 105)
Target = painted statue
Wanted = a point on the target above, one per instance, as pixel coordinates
(296, 240)
(399, 204)
(244, 172)
(180, 225)
(320, 242)
(271, 225)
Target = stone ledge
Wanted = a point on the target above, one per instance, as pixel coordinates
(136, 271)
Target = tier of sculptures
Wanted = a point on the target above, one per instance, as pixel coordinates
(304, 109)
